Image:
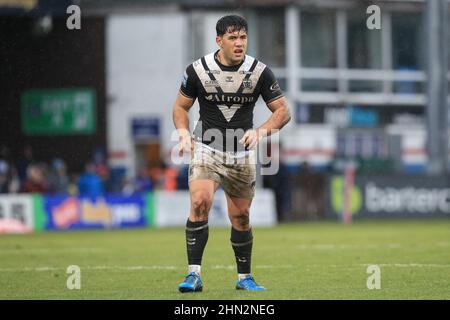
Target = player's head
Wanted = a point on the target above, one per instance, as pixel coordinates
(232, 37)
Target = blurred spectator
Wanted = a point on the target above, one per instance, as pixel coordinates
(90, 184)
(170, 178)
(164, 177)
(26, 159)
(309, 199)
(157, 174)
(14, 181)
(127, 186)
(5, 155)
(58, 180)
(141, 183)
(35, 181)
(117, 180)
(6, 171)
(101, 169)
(4, 177)
(72, 188)
(183, 177)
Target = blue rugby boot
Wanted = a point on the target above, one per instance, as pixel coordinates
(192, 283)
(248, 283)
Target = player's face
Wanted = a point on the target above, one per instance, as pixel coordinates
(233, 45)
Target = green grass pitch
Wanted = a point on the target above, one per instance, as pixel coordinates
(314, 260)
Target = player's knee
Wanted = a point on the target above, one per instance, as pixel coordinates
(201, 202)
(242, 219)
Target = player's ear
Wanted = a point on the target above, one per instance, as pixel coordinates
(219, 41)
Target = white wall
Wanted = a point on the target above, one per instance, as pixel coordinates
(413, 142)
(314, 143)
(171, 209)
(145, 62)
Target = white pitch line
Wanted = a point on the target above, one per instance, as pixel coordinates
(330, 246)
(224, 267)
(127, 268)
(255, 266)
(133, 268)
(46, 269)
(346, 246)
(6, 251)
(130, 268)
(413, 265)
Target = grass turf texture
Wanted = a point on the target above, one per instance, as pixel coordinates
(314, 260)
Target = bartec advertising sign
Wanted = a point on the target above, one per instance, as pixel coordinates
(392, 196)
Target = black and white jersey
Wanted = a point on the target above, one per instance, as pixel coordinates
(227, 97)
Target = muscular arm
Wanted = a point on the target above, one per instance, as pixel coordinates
(280, 116)
(276, 102)
(180, 115)
(180, 112)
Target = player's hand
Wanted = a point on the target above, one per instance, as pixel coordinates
(250, 139)
(186, 142)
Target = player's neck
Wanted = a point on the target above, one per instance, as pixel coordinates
(223, 61)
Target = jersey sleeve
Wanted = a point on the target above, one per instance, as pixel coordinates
(188, 83)
(270, 89)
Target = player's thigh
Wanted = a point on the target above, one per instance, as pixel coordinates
(238, 206)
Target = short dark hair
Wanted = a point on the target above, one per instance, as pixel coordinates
(230, 23)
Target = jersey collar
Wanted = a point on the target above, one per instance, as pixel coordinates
(228, 68)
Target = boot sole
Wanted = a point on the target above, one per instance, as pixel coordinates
(185, 290)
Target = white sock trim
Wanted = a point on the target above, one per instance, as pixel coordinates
(242, 276)
(195, 268)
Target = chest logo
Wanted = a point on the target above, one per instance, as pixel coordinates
(247, 84)
(211, 83)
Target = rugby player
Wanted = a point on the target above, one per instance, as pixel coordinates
(227, 84)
